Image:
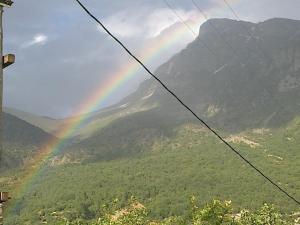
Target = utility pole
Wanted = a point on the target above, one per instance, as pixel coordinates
(6, 61)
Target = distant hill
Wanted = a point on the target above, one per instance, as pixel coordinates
(51, 125)
(21, 141)
(48, 124)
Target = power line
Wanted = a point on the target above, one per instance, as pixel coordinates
(190, 28)
(200, 39)
(247, 30)
(258, 46)
(265, 54)
(180, 18)
(232, 10)
(222, 37)
(187, 107)
(214, 27)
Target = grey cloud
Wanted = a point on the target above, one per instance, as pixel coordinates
(54, 78)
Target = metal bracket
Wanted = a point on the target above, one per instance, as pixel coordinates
(8, 60)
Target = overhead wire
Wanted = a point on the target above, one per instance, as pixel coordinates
(258, 46)
(219, 33)
(200, 39)
(214, 27)
(190, 28)
(260, 172)
(180, 18)
(266, 55)
(241, 61)
(224, 39)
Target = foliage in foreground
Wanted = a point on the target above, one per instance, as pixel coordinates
(214, 213)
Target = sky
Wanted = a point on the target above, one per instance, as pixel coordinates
(62, 56)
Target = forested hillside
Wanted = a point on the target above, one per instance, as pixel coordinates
(21, 142)
(192, 162)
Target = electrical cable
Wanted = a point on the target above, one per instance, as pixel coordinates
(258, 46)
(247, 30)
(180, 18)
(218, 32)
(200, 39)
(214, 27)
(187, 107)
(190, 29)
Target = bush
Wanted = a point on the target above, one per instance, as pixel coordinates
(215, 213)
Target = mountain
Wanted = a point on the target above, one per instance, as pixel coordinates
(21, 141)
(257, 84)
(241, 82)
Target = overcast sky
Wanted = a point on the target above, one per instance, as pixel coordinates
(62, 55)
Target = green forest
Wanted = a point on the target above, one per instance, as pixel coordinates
(192, 163)
(175, 130)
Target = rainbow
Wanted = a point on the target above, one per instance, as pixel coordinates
(94, 102)
(99, 96)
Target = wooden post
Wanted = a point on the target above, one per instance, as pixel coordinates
(3, 3)
(1, 83)
(1, 214)
(4, 197)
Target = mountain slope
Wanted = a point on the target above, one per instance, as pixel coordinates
(259, 85)
(47, 124)
(259, 88)
(21, 141)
